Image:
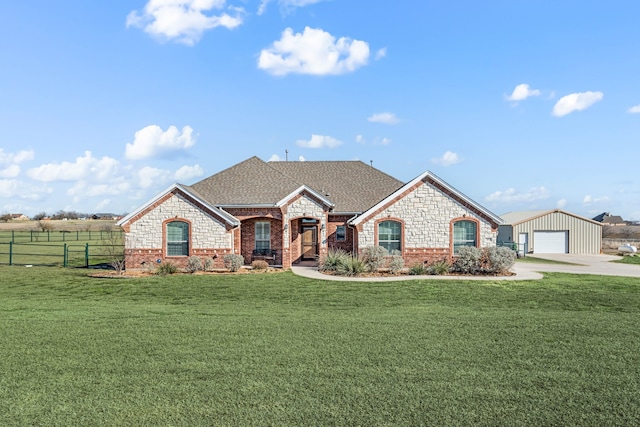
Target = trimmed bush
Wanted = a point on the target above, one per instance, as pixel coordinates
(194, 264)
(373, 257)
(166, 268)
(233, 262)
(208, 264)
(468, 260)
(396, 264)
(260, 264)
(500, 259)
(333, 260)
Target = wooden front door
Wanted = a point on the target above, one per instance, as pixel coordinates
(309, 243)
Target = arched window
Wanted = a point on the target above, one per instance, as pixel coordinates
(465, 233)
(390, 235)
(177, 238)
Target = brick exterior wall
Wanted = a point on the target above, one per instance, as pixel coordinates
(332, 227)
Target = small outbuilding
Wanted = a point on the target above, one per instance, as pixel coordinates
(550, 232)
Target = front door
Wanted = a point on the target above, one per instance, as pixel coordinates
(309, 243)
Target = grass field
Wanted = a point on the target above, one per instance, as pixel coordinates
(277, 349)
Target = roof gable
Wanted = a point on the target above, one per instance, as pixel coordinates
(429, 178)
(515, 218)
(224, 216)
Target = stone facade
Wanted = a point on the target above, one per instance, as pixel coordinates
(426, 214)
(145, 240)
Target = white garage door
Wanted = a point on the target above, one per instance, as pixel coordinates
(551, 242)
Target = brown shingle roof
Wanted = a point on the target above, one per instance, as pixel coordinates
(352, 186)
(251, 182)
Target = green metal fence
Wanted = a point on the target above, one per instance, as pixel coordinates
(64, 255)
(35, 236)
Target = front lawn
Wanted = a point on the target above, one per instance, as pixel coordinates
(277, 349)
(627, 259)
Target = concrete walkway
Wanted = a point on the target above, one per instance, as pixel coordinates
(584, 264)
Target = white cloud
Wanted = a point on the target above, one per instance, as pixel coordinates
(386, 118)
(19, 157)
(187, 173)
(510, 195)
(14, 189)
(286, 5)
(561, 203)
(149, 177)
(183, 20)
(381, 53)
(588, 200)
(82, 189)
(522, 92)
(448, 158)
(319, 141)
(274, 158)
(100, 206)
(151, 141)
(84, 167)
(385, 141)
(11, 171)
(313, 52)
(635, 109)
(360, 139)
(576, 102)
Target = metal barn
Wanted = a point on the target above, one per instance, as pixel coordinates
(547, 232)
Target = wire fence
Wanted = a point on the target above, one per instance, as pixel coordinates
(35, 236)
(62, 255)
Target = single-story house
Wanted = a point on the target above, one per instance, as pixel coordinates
(607, 219)
(289, 212)
(19, 217)
(550, 231)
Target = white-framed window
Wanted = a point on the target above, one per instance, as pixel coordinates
(341, 233)
(263, 235)
(177, 238)
(390, 235)
(464, 234)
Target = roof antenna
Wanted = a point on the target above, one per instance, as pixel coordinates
(371, 161)
(286, 155)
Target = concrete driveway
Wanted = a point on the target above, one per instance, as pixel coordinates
(586, 264)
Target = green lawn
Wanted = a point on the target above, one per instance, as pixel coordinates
(280, 350)
(635, 259)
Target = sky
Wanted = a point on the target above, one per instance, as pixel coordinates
(519, 104)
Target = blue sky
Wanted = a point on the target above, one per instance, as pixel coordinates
(519, 104)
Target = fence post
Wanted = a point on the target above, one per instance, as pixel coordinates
(77, 235)
(64, 262)
(31, 232)
(86, 255)
(13, 235)
(11, 253)
(48, 236)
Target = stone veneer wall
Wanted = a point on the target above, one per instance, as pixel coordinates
(427, 213)
(144, 241)
(305, 207)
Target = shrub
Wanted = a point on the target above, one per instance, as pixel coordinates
(166, 268)
(208, 264)
(233, 262)
(499, 259)
(373, 257)
(194, 264)
(468, 260)
(352, 266)
(440, 268)
(333, 260)
(396, 264)
(418, 269)
(260, 264)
